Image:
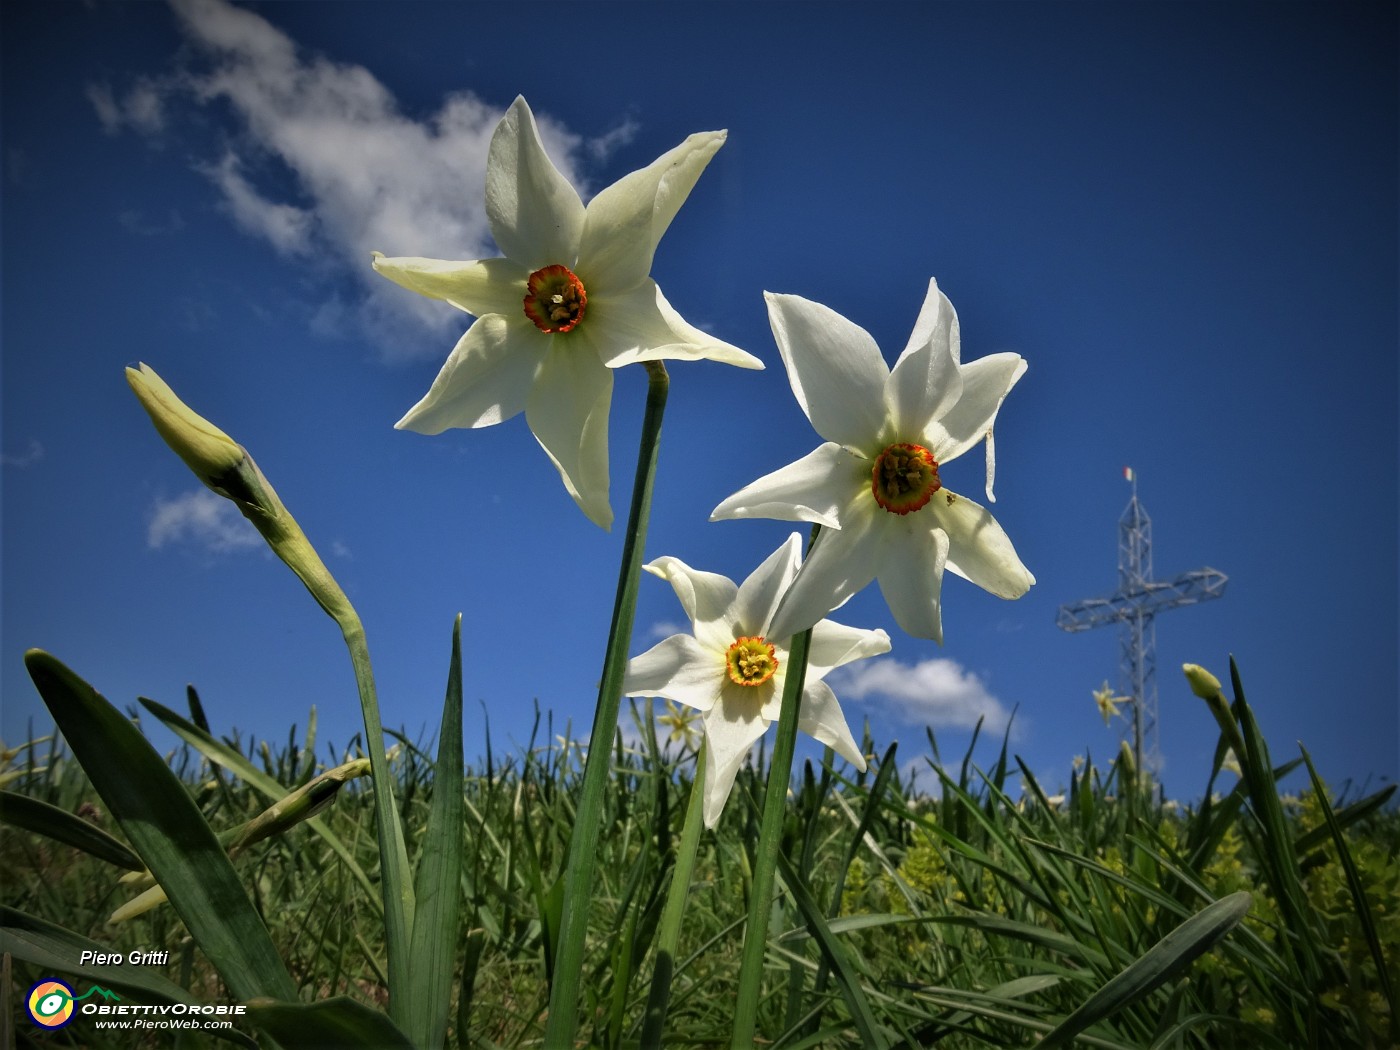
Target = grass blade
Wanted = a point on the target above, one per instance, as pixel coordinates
(333, 1024)
(1343, 818)
(871, 1035)
(1358, 897)
(1306, 945)
(167, 830)
(221, 754)
(32, 815)
(439, 881)
(1163, 961)
(53, 948)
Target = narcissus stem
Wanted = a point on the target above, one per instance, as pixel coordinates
(769, 839)
(227, 468)
(583, 845)
(669, 932)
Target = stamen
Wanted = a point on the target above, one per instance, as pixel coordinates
(751, 661)
(904, 478)
(556, 300)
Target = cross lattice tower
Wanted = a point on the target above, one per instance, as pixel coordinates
(1133, 607)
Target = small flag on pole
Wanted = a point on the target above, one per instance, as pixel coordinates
(1127, 473)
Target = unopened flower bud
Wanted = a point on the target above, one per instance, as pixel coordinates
(225, 466)
(302, 804)
(1202, 682)
(206, 449)
(1127, 765)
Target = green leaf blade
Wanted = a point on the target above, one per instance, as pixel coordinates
(333, 1024)
(167, 831)
(40, 818)
(1163, 961)
(439, 879)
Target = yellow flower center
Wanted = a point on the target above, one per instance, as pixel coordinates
(555, 300)
(751, 661)
(904, 478)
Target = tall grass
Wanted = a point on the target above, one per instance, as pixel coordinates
(986, 913)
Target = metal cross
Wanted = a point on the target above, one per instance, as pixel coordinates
(1133, 606)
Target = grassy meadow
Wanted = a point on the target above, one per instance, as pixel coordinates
(984, 914)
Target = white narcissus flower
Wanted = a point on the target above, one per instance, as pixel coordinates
(571, 300)
(682, 723)
(1108, 703)
(874, 485)
(733, 667)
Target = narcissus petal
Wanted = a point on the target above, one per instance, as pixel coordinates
(576, 278)
(875, 486)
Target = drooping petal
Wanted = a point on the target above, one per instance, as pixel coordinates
(822, 719)
(926, 380)
(536, 217)
(567, 409)
(834, 644)
(841, 562)
(730, 730)
(986, 382)
(759, 595)
(911, 576)
(835, 369)
(707, 598)
(813, 488)
(485, 380)
(978, 549)
(480, 287)
(624, 223)
(678, 668)
(640, 325)
(991, 448)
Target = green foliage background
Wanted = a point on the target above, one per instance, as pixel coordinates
(971, 918)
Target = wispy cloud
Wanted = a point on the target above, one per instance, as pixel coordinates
(139, 108)
(365, 176)
(916, 772)
(286, 227)
(203, 519)
(939, 692)
(32, 454)
(602, 147)
(665, 628)
(138, 223)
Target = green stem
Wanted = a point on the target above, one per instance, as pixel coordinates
(769, 839)
(397, 881)
(583, 844)
(669, 932)
(228, 469)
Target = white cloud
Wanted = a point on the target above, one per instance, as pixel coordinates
(203, 518)
(603, 146)
(287, 227)
(32, 454)
(140, 109)
(665, 628)
(364, 175)
(916, 773)
(136, 222)
(939, 692)
(109, 112)
(144, 109)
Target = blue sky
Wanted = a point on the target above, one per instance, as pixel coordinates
(1183, 216)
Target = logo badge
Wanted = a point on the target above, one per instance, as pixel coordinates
(50, 1004)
